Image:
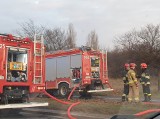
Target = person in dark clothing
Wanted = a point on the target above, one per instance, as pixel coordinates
(145, 81)
(125, 81)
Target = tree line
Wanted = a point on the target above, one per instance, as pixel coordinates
(135, 46)
(56, 38)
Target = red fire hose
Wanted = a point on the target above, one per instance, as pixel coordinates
(69, 109)
(147, 112)
(72, 91)
(56, 99)
(65, 102)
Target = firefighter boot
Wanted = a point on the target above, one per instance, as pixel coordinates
(145, 98)
(126, 98)
(123, 98)
(149, 98)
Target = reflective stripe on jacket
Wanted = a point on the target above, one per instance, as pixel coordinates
(145, 78)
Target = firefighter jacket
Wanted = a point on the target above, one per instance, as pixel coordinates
(125, 76)
(145, 77)
(132, 77)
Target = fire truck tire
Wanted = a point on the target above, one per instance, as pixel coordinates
(63, 90)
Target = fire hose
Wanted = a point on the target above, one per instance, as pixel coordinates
(147, 112)
(65, 102)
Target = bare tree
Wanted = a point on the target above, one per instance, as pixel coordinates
(55, 39)
(92, 40)
(139, 46)
(71, 37)
(29, 29)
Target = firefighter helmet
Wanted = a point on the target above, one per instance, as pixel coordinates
(143, 65)
(132, 65)
(126, 65)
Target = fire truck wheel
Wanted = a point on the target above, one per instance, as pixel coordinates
(63, 90)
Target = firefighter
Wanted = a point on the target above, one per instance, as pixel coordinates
(145, 81)
(133, 84)
(126, 85)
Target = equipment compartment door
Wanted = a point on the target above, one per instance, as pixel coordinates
(2, 62)
(17, 60)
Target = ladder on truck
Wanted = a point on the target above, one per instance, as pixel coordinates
(38, 59)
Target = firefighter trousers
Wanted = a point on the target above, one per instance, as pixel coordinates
(146, 89)
(126, 89)
(133, 93)
(125, 92)
(146, 92)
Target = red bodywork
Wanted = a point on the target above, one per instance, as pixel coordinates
(85, 74)
(8, 42)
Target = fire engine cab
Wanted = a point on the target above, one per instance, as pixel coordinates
(83, 66)
(21, 68)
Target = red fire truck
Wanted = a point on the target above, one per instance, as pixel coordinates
(83, 66)
(22, 64)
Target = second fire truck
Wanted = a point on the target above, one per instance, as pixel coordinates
(83, 66)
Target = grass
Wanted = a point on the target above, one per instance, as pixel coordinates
(108, 107)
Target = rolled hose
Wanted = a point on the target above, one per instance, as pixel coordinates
(65, 102)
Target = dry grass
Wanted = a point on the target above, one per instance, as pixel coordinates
(108, 107)
(117, 85)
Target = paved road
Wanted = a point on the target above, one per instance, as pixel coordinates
(40, 113)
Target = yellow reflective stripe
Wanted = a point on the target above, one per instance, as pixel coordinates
(142, 82)
(149, 94)
(147, 77)
(124, 78)
(131, 81)
(135, 80)
(148, 83)
(129, 99)
(124, 95)
(136, 98)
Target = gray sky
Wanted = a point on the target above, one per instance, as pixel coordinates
(109, 18)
